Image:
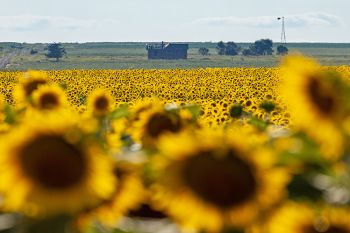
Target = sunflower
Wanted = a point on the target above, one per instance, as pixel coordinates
(49, 97)
(304, 218)
(4, 126)
(210, 179)
(150, 120)
(128, 195)
(2, 101)
(2, 108)
(56, 168)
(28, 84)
(100, 102)
(142, 109)
(317, 101)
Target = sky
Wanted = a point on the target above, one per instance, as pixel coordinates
(173, 20)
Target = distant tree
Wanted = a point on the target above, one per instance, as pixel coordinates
(203, 51)
(260, 47)
(248, 52)
(232, 49)
(263, 47)
(16, 46)
(55, 50)
(33, 51)
(282, 50)
(221, 47)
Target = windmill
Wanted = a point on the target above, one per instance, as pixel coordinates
(283, 33)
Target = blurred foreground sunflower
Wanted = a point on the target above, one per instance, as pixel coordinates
(55, 168)
(209, 180)
(304, 218)
(128, 195)
(4, 126)
(27, 85)
(100, 102)
(49, 98)
(317, 101)
(150, 120)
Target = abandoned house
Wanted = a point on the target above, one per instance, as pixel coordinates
(167, 51)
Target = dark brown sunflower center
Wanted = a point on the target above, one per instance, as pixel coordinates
(48, 100)
(101, 104)
(224, 181)
(146, 211)
(53, 163)
(32, 86)
(325, 229)
(160, 123)
(323, 100)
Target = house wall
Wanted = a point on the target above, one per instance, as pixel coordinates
(167, 53)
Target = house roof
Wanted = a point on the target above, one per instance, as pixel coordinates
(167, 46)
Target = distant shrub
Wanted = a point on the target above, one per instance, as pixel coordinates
(55, 50)
(259, 48)
(203, 51)
(282, 50)
(33, 51)
(247, 52)
(230, 48)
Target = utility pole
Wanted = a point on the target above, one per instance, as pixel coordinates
(283, 33)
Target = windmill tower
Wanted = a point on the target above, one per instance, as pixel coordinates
(283, 33)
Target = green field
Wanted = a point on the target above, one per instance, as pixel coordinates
(133, 55)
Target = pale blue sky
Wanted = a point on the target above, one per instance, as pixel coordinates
(170, 20)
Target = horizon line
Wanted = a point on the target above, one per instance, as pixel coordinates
(239, 42)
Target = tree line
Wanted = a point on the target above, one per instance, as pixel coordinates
(261, 47)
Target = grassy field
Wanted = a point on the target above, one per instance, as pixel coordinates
(134, 56)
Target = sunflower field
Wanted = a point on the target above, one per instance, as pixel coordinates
(216, 150)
